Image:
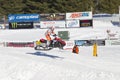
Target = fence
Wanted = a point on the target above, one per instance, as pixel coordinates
(17, 44)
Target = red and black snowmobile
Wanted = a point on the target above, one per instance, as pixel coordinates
(55, 43)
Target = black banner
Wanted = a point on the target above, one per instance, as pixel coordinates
(86, 23)
(21, 25)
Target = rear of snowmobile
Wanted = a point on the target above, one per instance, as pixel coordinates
(41, 46)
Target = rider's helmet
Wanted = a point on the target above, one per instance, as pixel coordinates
(52, 28)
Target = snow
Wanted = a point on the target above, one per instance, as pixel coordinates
(29, 64)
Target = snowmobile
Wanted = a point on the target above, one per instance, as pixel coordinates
(55, 43)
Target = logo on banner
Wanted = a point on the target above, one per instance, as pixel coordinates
(72, 23)
(49, 22)
(78, 15)
(11, 17)
(14, 25)
(23, 17)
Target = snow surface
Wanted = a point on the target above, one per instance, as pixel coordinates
(29, 64)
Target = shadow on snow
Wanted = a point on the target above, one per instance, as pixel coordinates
(45, 54)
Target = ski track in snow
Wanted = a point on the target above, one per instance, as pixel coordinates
(30, 64)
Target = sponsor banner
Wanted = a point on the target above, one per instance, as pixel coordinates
(21, 25)
(86, 23)
(112, 42)
(52, 16)
(72, 23)
(69, 45)
(23, 17)
(20, 44)
(89, 42)
(57, 24)
(79, 15)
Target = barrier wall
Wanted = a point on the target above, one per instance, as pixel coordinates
(89, 42)
(18, 44)
(69, 44)
(112, 42)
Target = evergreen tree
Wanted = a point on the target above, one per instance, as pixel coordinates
(58, 6)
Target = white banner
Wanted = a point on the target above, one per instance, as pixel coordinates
(112, 42)
(72, 23)
(47, 24)
(69, 45)
(79, 15)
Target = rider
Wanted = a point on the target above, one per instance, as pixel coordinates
(50, 32)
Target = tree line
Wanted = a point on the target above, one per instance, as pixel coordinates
(58, 6)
